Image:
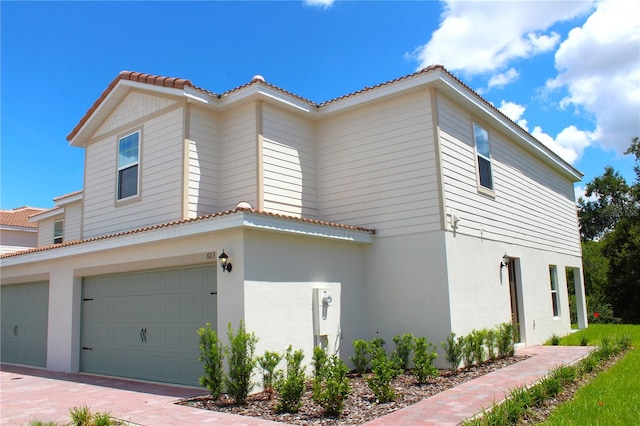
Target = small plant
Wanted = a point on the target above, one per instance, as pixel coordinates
(490, 341)
(82, 416)
(291, 385)
(102, 419)
(319, 360)
(360, 358)
(404, 345)
(453, 350)
(383, 370)
(211, 355)
(241, 363)
(268, 363)
(565, 374)
(331, 386)
(477, 345)
(505, 339)
(584, 341)
(624, 342)
(587, 364)
(551, 385)
(423, 360)
(467, 351)
(555, 340)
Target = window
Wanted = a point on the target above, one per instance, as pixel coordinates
(481, 137)
(128, 165)
(555, 302)
(58, 229)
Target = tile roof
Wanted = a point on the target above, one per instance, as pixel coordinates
(19, 216)
(62, 197)
(183, 221)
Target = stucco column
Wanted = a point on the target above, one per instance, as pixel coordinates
(63, 335)
(581, 305)
(230, 285)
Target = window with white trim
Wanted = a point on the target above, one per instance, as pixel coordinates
(128, 166)
(58, 231)
(483, 151)
(555, 300)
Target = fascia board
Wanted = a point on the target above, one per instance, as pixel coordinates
(57, 211)
(266, 93)
(70, 199)
(269, 223)
(18, 228)
(536, 147)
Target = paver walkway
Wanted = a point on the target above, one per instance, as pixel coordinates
(27, 394)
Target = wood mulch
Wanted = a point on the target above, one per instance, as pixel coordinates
(361, 405)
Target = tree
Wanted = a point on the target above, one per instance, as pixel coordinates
(610, 230)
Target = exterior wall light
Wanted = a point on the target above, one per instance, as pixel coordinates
(505, 261)
(224, 262)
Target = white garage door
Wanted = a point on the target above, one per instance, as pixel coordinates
(24, 320)
(144, 325)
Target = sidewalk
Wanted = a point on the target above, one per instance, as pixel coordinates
(29, 394)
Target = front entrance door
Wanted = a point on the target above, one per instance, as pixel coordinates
(515, 299)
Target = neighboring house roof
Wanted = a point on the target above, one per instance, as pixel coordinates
(19, 217)
(200, 218)
(183, 84)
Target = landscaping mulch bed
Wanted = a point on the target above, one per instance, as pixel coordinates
(361, 405)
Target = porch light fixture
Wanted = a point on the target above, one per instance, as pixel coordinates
(224, 262)
(505, 261)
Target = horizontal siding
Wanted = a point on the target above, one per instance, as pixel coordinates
(73, 221)
(533, 204)
(290, 164)
(378, 169)
(204, 169)
(45, 230)
(11, 240)
(160, 179)
(238, 156)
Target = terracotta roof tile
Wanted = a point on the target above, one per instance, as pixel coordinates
(62, 197)
(19, 216)
(180, 222)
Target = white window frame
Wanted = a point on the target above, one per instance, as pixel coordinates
(58, 237)
(482, 156)
(121, 168)
(555, 297)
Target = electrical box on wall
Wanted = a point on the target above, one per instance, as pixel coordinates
(326, 318)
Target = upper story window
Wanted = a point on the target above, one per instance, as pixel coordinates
(128, 165)
(555, 301)
(481, 138)
(58, 231)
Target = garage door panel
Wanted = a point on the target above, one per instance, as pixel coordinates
(144, 325)
(24, 317)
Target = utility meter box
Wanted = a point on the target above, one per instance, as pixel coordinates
(326, 318)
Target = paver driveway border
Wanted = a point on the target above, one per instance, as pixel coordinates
(28, 394)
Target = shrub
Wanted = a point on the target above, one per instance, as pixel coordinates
(505, 339)
(565, 374)
(490, 341)
(383, 370)
(211, 355)
(82, 416)
(361, 357)
(291, 385)
(268, 363)
(555, 340)
(477, 345)
(624, 342)
(453, 350)
(551, 385)
(331, 385)
(404, 345)
(467, 350)
(584, 341)
(319, 360)
(241, 363)
(423, 360)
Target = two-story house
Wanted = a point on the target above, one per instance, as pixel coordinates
(413, 206)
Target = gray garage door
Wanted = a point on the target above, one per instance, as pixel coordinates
(24, 320)
(144, 325)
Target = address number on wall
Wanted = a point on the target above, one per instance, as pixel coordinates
(211, 255)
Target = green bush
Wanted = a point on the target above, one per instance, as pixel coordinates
(467, 351)
(383, 370)
(584, 341)
(477, 345)
(404, 346)
(624, 341)
(241, 361)
(361, 357)
(331, 385)
(319, 360)
(505, 339)
(291, 386)
(555, 340)
(423, 360)
(82, 416)
(490, 341)
(268, 363)
(453, 350)
(211, 355)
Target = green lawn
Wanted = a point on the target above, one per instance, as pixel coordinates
(612, 398)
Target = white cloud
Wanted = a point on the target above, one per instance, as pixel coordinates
(599, 66)
(502, 79)
(514, 112)
(568, 144)
(477, 37)
(322, 4)
(579, 192)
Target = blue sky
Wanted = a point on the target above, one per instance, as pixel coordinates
(569, 72)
